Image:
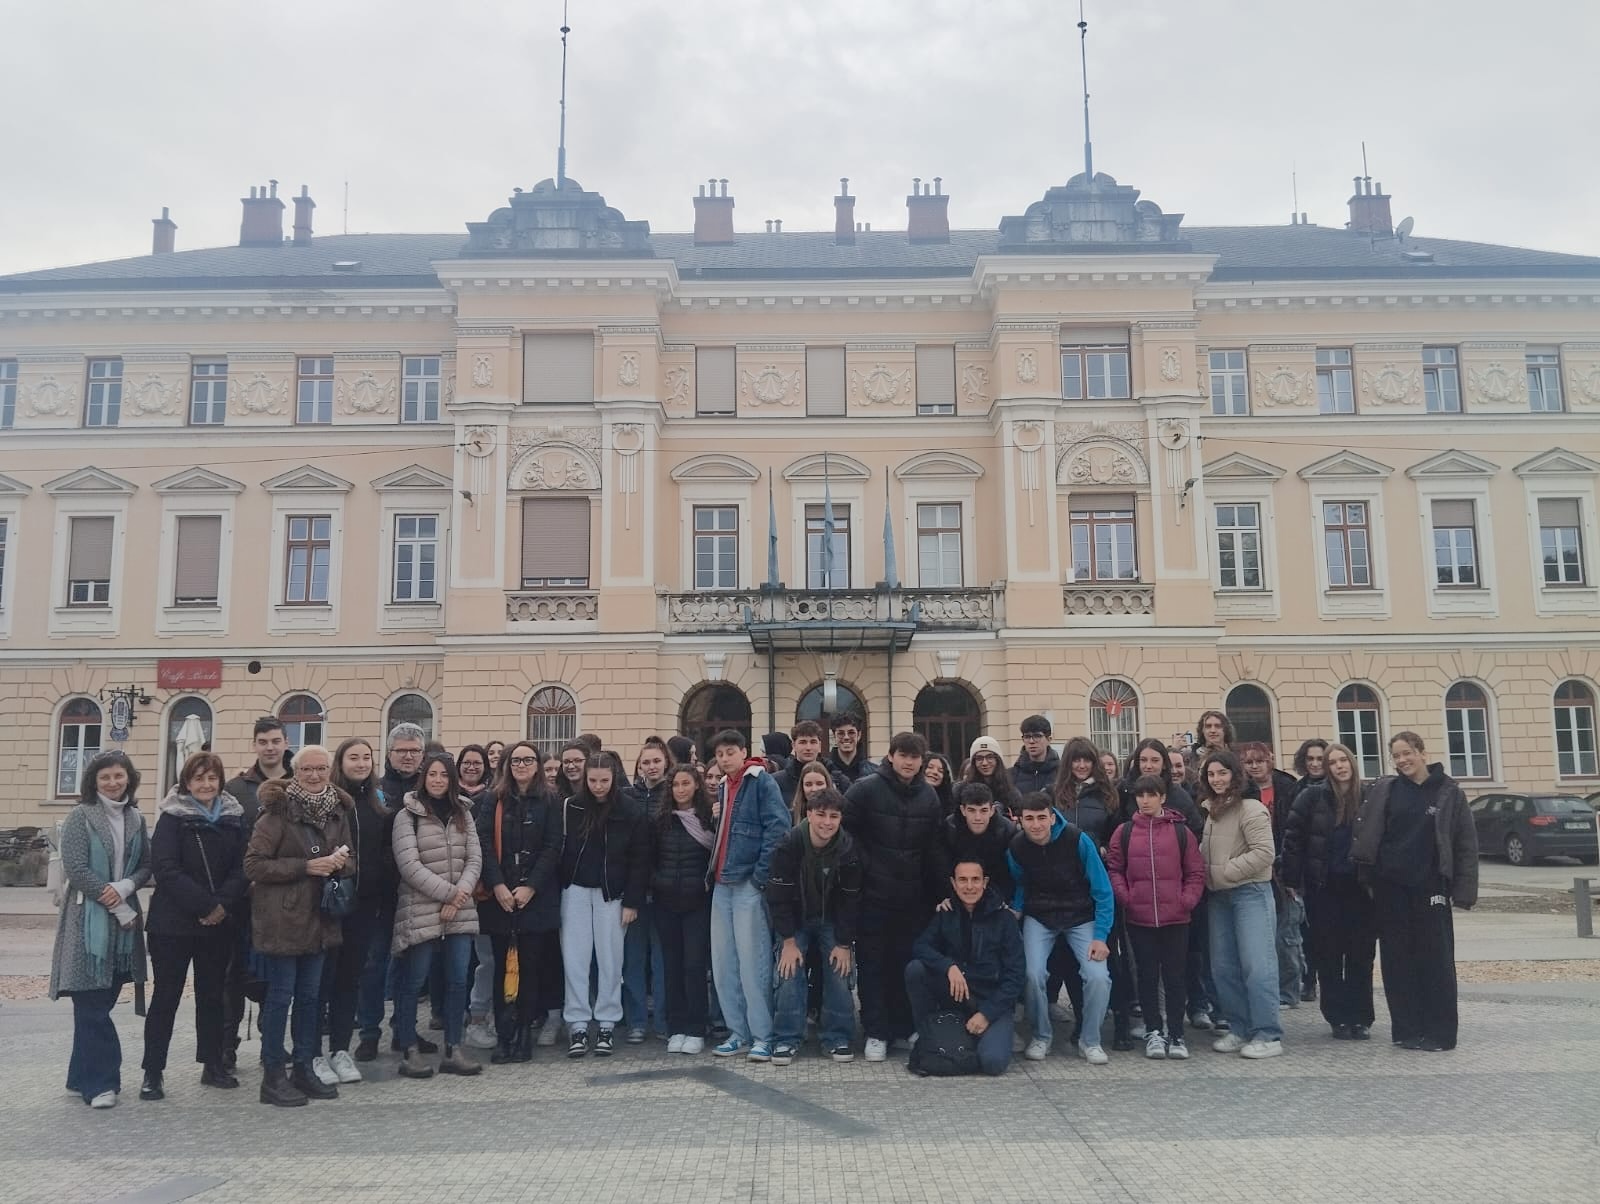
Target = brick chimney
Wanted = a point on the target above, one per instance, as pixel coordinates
(928, 212)
(844, 214)
(303, 205)
(1369, 209)
(713, 215)
(166, 234)
(263, 218)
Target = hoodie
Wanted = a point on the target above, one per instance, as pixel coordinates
(1062, 883)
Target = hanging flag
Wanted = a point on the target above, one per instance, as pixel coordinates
(827, 527)
(891, 570)
(772, 537)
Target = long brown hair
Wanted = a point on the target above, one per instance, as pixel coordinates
(452, 790)
(797, 805)
(504, 791)
(1219, 756)
(1347, 798)
(1066, 789)
(1228, 736)
(367, 790)
(701, 805)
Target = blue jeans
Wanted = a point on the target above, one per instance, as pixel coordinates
(741, 959)
(838, 1026)
(419, 959)
(374, 987)
(296, 980)
(1037, 941)
(96, 1062)
(1290, 946)
(1244, 959)
(641, 946)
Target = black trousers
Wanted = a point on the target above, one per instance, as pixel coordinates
(1417, 941)
(531, 950)
(236, 977)
(170, 957)
(1198, 972)
(1162, 956)
(883, 946)
(1344, 937)
(686, 951)
(341, 973)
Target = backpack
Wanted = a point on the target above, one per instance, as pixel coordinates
(1126, 834)
(945, 1047)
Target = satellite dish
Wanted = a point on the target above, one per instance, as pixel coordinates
(1405, 227)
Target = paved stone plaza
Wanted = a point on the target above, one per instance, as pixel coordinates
(1511, 1116)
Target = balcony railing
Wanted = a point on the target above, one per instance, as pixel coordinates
(540, 607)
(975, 609)
(1106, 601)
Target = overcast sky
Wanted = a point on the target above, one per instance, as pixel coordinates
(1479, 118)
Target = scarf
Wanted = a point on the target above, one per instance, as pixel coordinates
(818, 867)
(315, 809)
(210, 814)
(110, 946)
(693, 826)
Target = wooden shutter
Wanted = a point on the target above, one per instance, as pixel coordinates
(555, 538)
(714, 380)
(1558, 512)
(199, 555)
(557, 368)
(1452, 512)
(825, 382)
(89, 557)
(936, 378)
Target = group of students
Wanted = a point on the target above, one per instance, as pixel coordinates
(525, 891)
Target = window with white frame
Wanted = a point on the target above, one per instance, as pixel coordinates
(1114, 717)
(716, 547)
(77, 743)
(1230, 384)
(552, 718)
(715, 392)
(1441, 380)
(89, 547)
(1239, 546)
(1574, 720)
(411, 708)
(1466, 727)
(1544, 381)
(1094, 372)
(1360, 727)
(939, 545)
(8, 394)
(936, 380)
(1336, 392)
(1347, 540)
(308, 559)
(303, 720)
(102, 401)
(1561, 541)
(416, 558)
(420, 386)
(208, 393)
(827, 562)
(1455, 544)
(1103, 543)
(555, 542)
(314, 391)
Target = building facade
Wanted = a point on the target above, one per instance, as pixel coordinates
(568, 474)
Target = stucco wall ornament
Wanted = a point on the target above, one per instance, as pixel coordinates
(152, 395)
(627, 440)
(1496, 383)
(1284, 386)
(975, 383)
(1101, 466)
(628, 369)
(1171, 364)
(1027, 365)
(261, 395)
(678, 386)
(1029, 441)
(1585, 384)
(49, 398)
(366, 395)
(482, 371)
(881, 385)
(556, 468)
(770, 386)
(1389, 385)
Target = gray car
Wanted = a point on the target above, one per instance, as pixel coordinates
(1526, 827)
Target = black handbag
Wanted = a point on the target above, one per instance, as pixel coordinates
(338, 894)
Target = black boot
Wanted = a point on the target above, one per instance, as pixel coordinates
(277, 1090)
(151, 1088)
(525, 1038)
(505, 1049)
(216, 1075)
(309, 1085)
(1121, 1038)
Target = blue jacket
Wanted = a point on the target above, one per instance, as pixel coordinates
(993, 965)
(756, 820)
(1040, 895)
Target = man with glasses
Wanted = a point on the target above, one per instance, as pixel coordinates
(1038, 765)
(405, 758)
(848, 762)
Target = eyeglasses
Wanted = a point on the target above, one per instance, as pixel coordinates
(313, 769)
(572, 761)
(524, 760)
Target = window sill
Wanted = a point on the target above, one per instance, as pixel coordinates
(197, 608)
(84, 608)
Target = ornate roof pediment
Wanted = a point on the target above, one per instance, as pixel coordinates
(413, 476)
(308, 478)
(715, 466)
(1345, 464)
(939, 464)
(1453, 463)
(198, 480)
(1557, 462)
(89, 480)
(1236, 466)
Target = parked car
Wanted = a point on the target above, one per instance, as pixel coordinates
(1594, 800)
(1526, 827)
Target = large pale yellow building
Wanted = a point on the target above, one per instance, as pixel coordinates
(563, 473)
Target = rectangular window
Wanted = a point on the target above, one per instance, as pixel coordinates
(314, 397)
(936, 380)
(1336, 393)
(827, 565)
(89, 560)
(1575, 737)
(557, 369)
(1455, 543)
(716, 547)
(1441, 380)
(1239, 545)
(208, 393)
(1103, 546)
(1230, 396)
(416, 558)
(419, 389)
(1544, 382)
(1092, 373)
(1348, 540)
(1561, 541)
(1467, 735)
(103, 402)
(555, 543)
(1358, 731)
(8, 394)
(310, 555)
(715, 381)
(80, 744)
(939, 545)
(199, 555)
(825, 382)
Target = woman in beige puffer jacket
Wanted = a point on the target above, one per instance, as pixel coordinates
(437, 859)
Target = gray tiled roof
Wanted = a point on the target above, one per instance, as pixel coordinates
(406, 260)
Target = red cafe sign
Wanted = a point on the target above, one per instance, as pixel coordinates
(196, 673)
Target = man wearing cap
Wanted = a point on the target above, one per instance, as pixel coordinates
(1036, 768)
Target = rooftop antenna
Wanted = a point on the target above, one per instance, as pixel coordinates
(561, 153)
(1083, 59)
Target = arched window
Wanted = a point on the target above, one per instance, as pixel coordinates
(1574, 716)
(1466, 729)
(1250, 711)
(813, 706)
(179, 727)
(552, 718)
(949, 718)
(411, 708)
(303, 718)
(1360, 727)
(712, 707)
(77, 743)
(1114, 717)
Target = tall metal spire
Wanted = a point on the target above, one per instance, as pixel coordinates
(561, 153)
(1083, 60)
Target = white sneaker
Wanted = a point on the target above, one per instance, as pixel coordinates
(1261, 1049)
(480, 1035)
(1228, 1043)
(106, 1099)
(693, 1045)
(344, 1067)
(1155, 1045)
(675, 1042)
(1093, 1055)
(1037, 1050)
(324, 1072)
(877, 1051)
(1177, 1050)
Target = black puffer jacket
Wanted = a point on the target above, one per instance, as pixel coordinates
(1028, 776)
(197, 865)
(372, 824)
(898, 825)
(529, 842)
(788, 779)
(678, 867)
(625, 849)
(859, 770)
(650, 798)
(1308, 837)
(1093, 813)
(988, 848)
(792, 906)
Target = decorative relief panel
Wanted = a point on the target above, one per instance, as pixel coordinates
(1283, 386)
(1583, 385)
(366, 392)
(1391, 385)
(1171, 364)
(1102, 462)
(628, 369)
(482, 370)
(770, 385)
(1027, 365)
(1497, 383)
(254, 392)
(880, 385)
(149, 393)
(975, 385)
(49, 398)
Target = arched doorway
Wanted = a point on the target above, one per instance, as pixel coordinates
(712, 707)
(182, 710)
(949, 718)
(846, 702)
(1250, 711)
